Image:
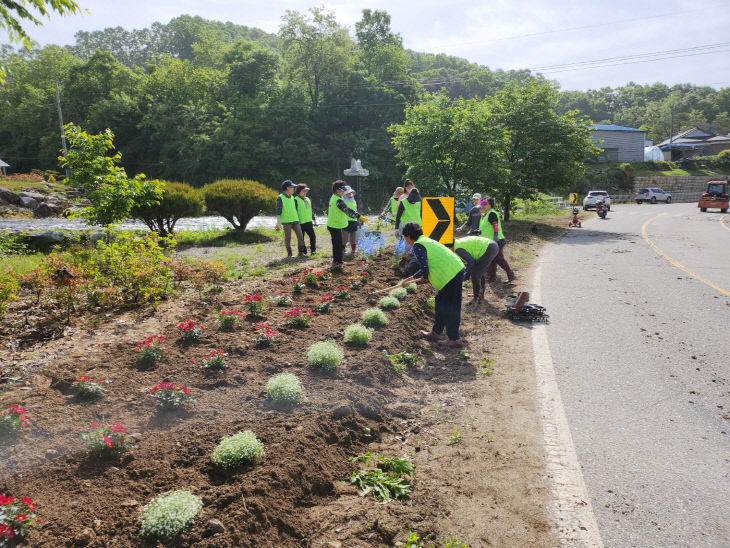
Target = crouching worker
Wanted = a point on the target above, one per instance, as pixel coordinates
(478, 253)
(443, 269)
(338, 215)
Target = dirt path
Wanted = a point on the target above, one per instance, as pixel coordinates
(473, 437)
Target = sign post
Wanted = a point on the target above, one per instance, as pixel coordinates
(437, 217)
(573, 198)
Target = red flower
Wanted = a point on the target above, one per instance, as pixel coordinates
(5, 500)
(29, 503)
(186, 391)
(21, 517)
(108, 442)
(118, 428)
(94, 425)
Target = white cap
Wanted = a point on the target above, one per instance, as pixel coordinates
(476, 196)
(347, 189)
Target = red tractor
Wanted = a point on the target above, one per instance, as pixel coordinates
(715, 197)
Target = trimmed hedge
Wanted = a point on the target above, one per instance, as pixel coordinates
(178, 200)
(239, 201)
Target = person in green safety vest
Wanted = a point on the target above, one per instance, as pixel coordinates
(491, 226)
(349, 233)
(286, 210)
(391, 208)
(338, 215)
(478, 253)
(307, 219)
(409, 206)
(443, 269)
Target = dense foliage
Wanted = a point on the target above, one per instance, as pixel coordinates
(239, 201)
(177, 200)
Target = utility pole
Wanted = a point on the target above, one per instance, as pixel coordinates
(60, 120)
(671, 132)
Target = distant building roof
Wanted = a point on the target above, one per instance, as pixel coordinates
(693, 137)
(606, 127)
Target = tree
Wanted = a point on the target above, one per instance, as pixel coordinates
(316, 50)
(238, 201)
(449, 145)
(178, 200)
(543, 150)
(13, 14)
(112, 194)
(380, 50)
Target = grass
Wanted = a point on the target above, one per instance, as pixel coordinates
(20, 186)
(222, 237)
(21, 264)
(455, 438)
(485, 368)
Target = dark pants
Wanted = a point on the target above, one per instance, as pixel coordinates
(308, 229)
(336, 234)
(448, 308)
(482, 265)
(499, 260)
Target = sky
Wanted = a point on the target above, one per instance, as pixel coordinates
(583, 44)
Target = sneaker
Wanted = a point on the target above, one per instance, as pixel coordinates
(448, 343)
(431, 336)
(511, 277)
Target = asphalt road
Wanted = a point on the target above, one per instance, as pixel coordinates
(641, 350)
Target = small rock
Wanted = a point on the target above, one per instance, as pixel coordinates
(29, 203)
(135, 437)
(86, 536)
(51, 454)
(98, 524)
(129, 503)
(214, 527)
(42, 211)
(10, 197)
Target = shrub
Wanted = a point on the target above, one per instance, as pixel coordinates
(170, 396)
(238, 449)
(178, 200)
(106, 441)
(399, 293)
(230, 319)
(284, 389)
(325, 355)
(265, 336)
(374, 317)
(256, 305)
(389, 303)
(190, 331)
(8, 287)
(13, 420)
(239, 201)
(358, 335)
(299, 317)
(323, 304)
(170, 514)
(282, 299)
(17, 517)
(215, 361)
(87, 388)
(151, 350)
(412, 288)
(127, 270)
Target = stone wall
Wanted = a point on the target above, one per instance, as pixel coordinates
(682, 188)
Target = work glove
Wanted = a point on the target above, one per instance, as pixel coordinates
(363, 219)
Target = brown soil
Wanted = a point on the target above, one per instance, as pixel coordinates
(473, 438)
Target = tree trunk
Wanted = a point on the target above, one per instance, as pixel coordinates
(507, 206)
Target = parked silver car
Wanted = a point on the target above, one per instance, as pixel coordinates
(589, 202)
(652, 195)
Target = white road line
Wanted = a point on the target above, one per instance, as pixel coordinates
(570, 507)
(723, 224)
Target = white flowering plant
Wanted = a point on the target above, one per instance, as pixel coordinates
(170, 514)
(374, 317)
(358, 335)
(399, 293)
(389, 303)
(284, 389)
(238, 449)
(325, 355)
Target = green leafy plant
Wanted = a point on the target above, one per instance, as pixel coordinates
(240, 448)
(431, 302)
(342, 293)
(412, 288)
(355, 282)
(256, 304)
(106, 441)
(177, 200)
(265, 336)
(485, 368)
(88, 388)
(17, 518)
(310, 278)
(13, 420)
(399, 293)
(455, 438)
(299, 317)
(284, 389)
(239, 201)
(387, 481)
(323, 304)
(230, 319)
(282, 299)
(358, 335)
(170, 396)
(374, 317)
(389, 303)
(9, 285)
(170, 514)
(403, 360)
(151, 350)
(215, 361)
(325, 355)
(298, 284)
(190, 331)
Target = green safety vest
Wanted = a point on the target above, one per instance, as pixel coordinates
(443, 264)
(393, 206)
(411, 212)
(352, 204)
(288, 209)
(486, 227)
(304, 209)
(336, 218)
(476, 246)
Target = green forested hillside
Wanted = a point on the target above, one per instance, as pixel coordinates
(197, 100)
